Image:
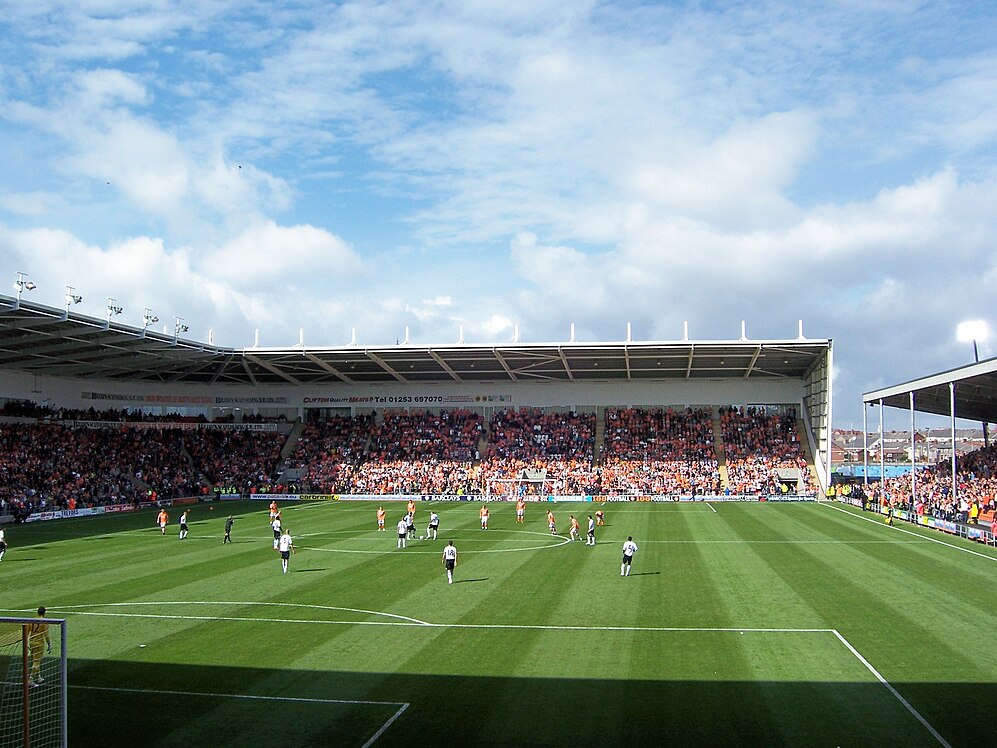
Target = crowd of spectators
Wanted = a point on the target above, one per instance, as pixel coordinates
(546, 452)
(241, 459)
(49, 466)
(420, 452)
(757, 445)
(526, 450)
(659, 452)
(976, 484)
(328, 452)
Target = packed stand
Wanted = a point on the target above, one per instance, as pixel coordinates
(756, 445)
(659, 452)
(329, 451)
(246, 460)
(976, 486)
(558, 446)
(45, 467)
(420, 453)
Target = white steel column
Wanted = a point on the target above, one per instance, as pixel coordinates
(882, 455)
(829, 375)
(955, 483)
(913, 452)
(865, 445)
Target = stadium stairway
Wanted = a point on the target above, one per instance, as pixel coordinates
(292, 440)
(600, 436)
(808, 455)
(718, 444)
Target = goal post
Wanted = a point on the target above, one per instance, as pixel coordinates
(33, 693)
(513, 486)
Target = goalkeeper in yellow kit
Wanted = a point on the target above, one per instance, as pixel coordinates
(38, 643)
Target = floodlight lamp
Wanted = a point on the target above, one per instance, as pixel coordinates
(972, 330)
(21, 284)
(113, 308)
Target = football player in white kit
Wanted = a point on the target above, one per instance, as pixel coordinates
(629, 549)
(450, 560)
(286, 548)
(402, 531)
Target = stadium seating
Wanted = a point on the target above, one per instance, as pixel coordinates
(553, 450)
(756, 445)
(659, 452)
(976, 476)
(525, 450)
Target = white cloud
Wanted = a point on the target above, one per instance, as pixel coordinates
(267, 255)
(103, 87)
(537, 163)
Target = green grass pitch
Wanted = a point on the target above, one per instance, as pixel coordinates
(741, 624)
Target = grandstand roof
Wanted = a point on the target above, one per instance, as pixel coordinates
(975, 392)
(53, 342)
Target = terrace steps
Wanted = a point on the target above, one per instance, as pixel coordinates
(718, 443)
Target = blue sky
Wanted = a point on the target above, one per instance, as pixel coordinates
(285, 165)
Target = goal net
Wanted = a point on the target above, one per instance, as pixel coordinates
(33, 691)
(528, 485)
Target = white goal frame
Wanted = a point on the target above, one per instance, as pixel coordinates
(20, 690)
(515, 483)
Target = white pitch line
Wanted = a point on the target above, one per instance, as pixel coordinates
(892, 690)
(712, 508)
(245, 619)
(245, 696)
(770, 542)
(426, 552)
(261, 603)
(385, 726)
(410, 622)
(912, 534)
(402, 706)
(426, 624)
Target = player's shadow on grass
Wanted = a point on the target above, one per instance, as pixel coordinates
(644, 574)
(302, 571)
(466, 581)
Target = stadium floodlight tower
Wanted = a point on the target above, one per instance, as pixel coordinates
(20, 286)
(971, 331)
(178, 327)
(148, 319)
(71, 298)
(113, 309)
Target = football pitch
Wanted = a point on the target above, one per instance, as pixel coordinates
(740, 624)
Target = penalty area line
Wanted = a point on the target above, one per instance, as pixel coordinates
(402, 705)
(889, 686)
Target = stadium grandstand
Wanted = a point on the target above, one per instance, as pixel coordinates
(955, 495)
(95, 412)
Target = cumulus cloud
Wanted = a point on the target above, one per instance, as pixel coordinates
(268, 255)
(393, 164)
